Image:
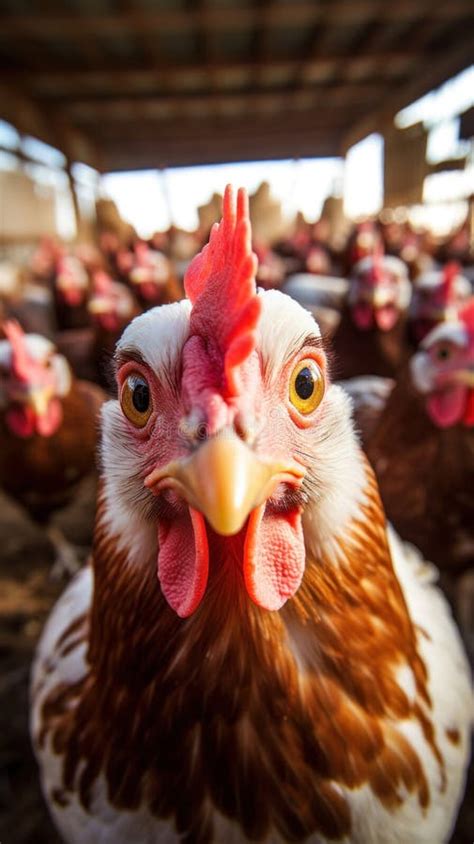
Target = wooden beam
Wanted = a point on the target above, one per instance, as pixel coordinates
(146, 155)
(296, 13)
(181, 141)
(221, 130)
(452, 62)
(64, 81)
(164, 107)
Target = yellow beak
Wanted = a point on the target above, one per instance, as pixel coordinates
(98, 306)
(39, 399)
(381, 298)
(466, 376)
(224, 480)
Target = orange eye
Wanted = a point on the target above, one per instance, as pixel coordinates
(306, 386)
(136, 400)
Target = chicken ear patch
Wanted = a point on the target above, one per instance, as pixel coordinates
(274, 557)
(183, 561)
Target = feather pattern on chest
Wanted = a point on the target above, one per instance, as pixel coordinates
(276, 722)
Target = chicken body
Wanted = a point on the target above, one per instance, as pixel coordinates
(371, 336)
(293, 674)
(48, 425)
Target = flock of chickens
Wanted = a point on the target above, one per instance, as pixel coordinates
(251, 654)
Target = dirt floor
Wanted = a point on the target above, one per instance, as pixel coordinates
(27, 593)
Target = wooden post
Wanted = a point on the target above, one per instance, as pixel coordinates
(75, 201)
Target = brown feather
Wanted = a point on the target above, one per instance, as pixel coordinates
(247, 712)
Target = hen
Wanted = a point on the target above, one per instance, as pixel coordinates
(422, 449)
(70, 292)
(250, 656)
(436, 296)
(371, 336)
(150, 275)
(423, 446)
(48, 427)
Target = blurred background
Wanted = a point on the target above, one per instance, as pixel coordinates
(351, 124)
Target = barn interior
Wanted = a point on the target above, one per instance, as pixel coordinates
(93, 88)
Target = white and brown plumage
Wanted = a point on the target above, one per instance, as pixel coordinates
(371, 336)
(293, 674)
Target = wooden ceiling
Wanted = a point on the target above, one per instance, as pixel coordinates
(127, 84)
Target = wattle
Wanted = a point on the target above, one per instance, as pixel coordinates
(363, 315)
(24, 422)
(366, 316)
(73, 296)
(448, 407)
(149, 290)
(273, 558)
(386, 316)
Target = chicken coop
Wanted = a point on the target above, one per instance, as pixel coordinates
(209, 483)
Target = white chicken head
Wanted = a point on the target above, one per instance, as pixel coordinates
(111, 304)
(228, 438)
(33, 379)
(72, 280)
(379, 292)
(443, 370)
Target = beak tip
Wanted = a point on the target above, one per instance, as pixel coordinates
(226, 526)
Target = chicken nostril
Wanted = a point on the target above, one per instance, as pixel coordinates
(245, 428)
(194, 428)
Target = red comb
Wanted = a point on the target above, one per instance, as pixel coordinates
(466, 314)
(21, 361)
(220, 282)
(450, 272)
(377, 262)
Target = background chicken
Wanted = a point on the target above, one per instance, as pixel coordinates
(284, 678)
(422, 450)
(150, 275)
(111, 306)
(436, 297)
(48, 429)
(71, 292)
(371, 336)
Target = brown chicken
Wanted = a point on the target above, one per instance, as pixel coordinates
(48, 427)
(371, 336)
(423, 446)
(251, 655)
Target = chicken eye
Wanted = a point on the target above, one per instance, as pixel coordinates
(443, 353)
(306, 386)
(136, 400)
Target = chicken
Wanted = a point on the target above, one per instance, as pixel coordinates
(150, 275)
(371, 336)
(48, 428)
(436, 296)
(111, 307)
(70, 292)
(423, 446)
(363, 241)
(369, 394)
(422, 449)
(250, 655)
(271, 268)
